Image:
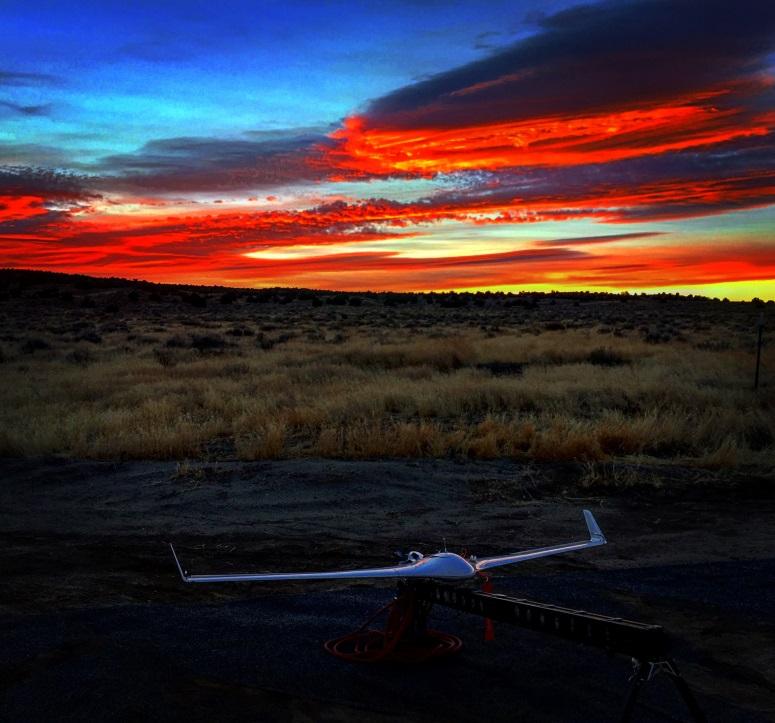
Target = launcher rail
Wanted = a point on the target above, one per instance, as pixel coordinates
(647, 645)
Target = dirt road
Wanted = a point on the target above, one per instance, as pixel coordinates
(96, 625)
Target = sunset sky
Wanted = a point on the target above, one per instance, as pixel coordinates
(401, 145)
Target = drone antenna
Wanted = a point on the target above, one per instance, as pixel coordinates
(444, 541)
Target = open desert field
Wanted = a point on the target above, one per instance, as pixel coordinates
(311, 430)
(117, 370)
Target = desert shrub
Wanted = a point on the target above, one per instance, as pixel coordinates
(80, 356)
(502, 368)
(656, 336)
(33, 344)
(195, 300)
(177, 341)
(443, 355)
(165, 357)
(208, 343)
(91, 336)
(714, 345)
(605, 357)
(553, 357)
(758, 434)
(240, 331)
(113, 326)
(235, 369)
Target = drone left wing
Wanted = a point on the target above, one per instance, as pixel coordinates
(423, 567)
(596, 537)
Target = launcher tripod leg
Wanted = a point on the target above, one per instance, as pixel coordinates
(639, 678)
(686, 692)
(644, 672)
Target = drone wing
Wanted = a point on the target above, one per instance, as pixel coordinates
(422, 568)
(596, 538)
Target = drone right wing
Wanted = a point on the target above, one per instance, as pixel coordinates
(424, 567)
(596, 537)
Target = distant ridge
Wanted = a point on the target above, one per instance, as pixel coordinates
(18, 279)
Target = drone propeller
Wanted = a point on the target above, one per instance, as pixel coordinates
(441, 566)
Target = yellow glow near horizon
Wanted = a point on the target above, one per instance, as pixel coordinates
(734, 290)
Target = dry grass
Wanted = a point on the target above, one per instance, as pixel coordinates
(397, 393)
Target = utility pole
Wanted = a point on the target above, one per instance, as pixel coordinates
(758, 350)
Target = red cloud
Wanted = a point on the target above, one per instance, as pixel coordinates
(563, 140)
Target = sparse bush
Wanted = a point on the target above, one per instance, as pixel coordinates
(91, 336)
(758, 434)
(195, 300)
(240, 331)
(208, 343)
(165, 357)
(33, 344)
(501, 369)
(606, 357)
(80, 356)
(714, 345)
(177, 341)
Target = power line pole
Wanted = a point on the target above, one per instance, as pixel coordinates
(758, 350)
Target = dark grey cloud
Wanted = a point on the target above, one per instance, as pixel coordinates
(594, 57)
(40, 223)
(508, 257)
(10, 108)
(48, 183)
(487, 40)
(13, 78)
(604, 239)
(216, 164)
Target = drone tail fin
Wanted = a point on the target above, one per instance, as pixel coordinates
(595, 533)
(183, 575)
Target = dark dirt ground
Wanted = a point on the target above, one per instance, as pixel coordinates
(96, 625)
